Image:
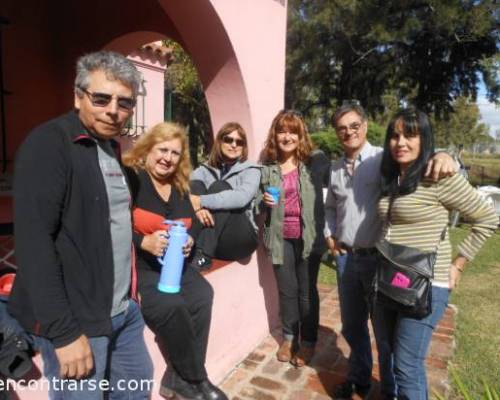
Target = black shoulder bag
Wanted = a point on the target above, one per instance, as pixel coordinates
(404, 273)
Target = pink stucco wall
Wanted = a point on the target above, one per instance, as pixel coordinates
(150, 106)
(257, 30)
(239, 50)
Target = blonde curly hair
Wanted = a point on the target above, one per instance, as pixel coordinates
(162, 132)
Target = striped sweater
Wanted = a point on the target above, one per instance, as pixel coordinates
(418, 219)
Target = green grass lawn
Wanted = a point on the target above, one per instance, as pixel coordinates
(327, 274)
(483, 170)
(477, 356)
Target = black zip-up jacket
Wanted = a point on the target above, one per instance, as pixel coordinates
(64, 282)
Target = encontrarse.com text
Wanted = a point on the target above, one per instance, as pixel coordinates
(57, 384)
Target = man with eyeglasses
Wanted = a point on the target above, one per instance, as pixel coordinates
(75, 290)
(352, 227)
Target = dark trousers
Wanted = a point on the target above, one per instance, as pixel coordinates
(181, 321)
(298, 293)
(355, 275)
(233, 237)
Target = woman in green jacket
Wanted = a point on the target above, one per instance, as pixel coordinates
(293, 232)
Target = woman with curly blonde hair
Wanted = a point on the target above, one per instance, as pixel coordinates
(136, 157)
(158, 171)
(293, 231)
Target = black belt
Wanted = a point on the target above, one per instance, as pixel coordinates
(360, 251)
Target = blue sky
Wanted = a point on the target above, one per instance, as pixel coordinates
(489, 112)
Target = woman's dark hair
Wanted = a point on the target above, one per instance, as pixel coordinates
(413, 122)
(216, 157)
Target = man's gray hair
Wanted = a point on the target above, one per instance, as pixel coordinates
(348, 107)
(114, 65)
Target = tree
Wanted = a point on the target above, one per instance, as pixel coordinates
(427, 52)
(190, 106)
(462, 127)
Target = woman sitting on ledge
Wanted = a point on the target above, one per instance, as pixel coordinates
(222, 193)
(159, 179)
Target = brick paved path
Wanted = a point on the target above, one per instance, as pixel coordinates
(261, 377)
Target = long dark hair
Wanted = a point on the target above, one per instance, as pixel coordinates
(414, 122)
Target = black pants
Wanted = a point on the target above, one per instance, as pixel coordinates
(298, 293)
(233, 237)
(180, 321)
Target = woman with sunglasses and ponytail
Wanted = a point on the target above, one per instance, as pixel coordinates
(222, 194)
(293, 231)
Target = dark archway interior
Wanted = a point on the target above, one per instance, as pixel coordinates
(43, 39)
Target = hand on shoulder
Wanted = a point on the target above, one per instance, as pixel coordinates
(440, 166)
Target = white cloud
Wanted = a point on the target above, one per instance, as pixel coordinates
(490, 114)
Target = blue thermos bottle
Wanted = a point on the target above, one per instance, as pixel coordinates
(172, 261)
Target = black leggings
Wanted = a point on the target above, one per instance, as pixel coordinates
(180, 321)
(233, 237)
(298, 292)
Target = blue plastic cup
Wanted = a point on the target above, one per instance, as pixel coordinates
(275, 192)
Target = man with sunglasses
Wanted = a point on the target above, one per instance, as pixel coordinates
(75, 289)
(352, 227)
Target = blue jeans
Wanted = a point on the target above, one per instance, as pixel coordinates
(121, 362)
(404, 342)
(355, 274)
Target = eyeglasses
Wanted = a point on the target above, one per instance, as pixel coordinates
(354, 127)
(103, 99)
(230, 140)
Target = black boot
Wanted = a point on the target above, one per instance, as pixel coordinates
(201, 261)
(174, 387)
(210, 391)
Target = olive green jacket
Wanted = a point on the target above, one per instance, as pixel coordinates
(311, 178)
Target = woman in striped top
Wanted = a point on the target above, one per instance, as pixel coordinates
(418, 216)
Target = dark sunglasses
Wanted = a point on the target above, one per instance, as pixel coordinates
(230, 140)
(103, 99)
